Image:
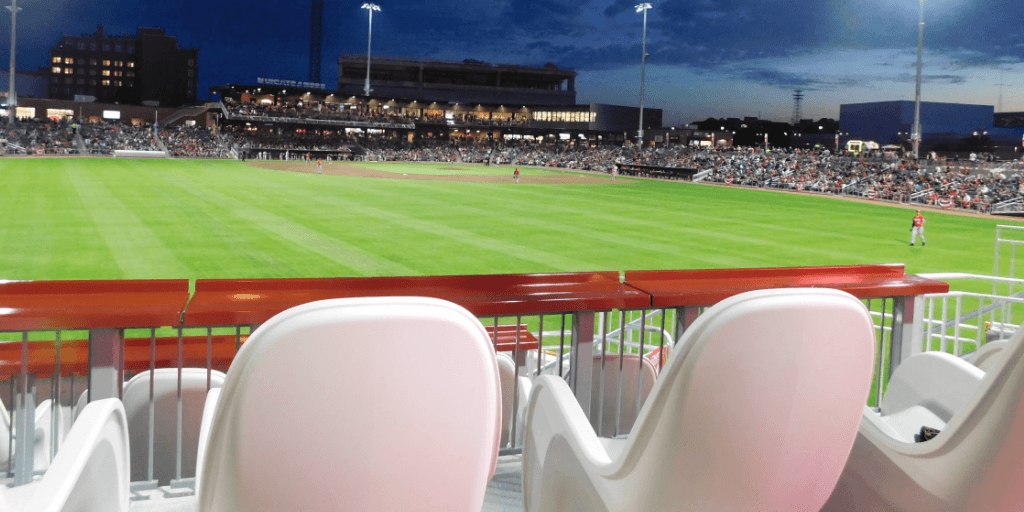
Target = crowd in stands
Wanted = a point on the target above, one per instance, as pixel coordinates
(193, 142)
(33, 136)
(106, 137)
(327, 111)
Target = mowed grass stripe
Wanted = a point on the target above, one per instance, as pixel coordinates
(136, 249)
(347, 255)
(497, 238)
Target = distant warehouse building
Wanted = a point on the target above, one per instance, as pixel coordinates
(943, 125)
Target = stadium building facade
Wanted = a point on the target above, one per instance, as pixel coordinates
(148, 68)
(944, 126)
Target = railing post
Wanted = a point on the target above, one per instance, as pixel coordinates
(907, 329)
(105, 370)
(582, 357)
(685, 317)
(25, 436)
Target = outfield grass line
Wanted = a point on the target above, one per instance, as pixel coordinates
(345, 254)
(138, 251)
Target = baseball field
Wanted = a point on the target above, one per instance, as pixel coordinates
(78, 218)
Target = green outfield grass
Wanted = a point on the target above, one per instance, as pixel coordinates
(131, 219)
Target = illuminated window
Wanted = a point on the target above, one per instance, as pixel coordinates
(106, 72)
(117, 73)
(68, 71)
(105, 82)
(56, 60)
(131, 64)
(119, 83)
(119, 63)
(56, 69)
(106, 63)
(69, 60)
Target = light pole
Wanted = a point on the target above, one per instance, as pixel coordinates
(916, 135)
(12, 97)
(643, 7)
(369, 39)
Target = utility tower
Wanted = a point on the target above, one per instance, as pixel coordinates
(316, 37)
(798, 97)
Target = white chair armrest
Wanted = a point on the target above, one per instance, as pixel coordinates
(209, 408)
(938, 381)
(91, 471)
(553, 412)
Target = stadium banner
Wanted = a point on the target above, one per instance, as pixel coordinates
(290, 83)
(124, 153)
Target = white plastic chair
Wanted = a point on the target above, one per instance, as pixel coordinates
(165, 402)
(507, 374)
(756, 410)
(313, 416)
(90, 471)
(975, 462)
(987, 355)
(624, 406)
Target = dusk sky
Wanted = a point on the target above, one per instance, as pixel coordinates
(708, 58)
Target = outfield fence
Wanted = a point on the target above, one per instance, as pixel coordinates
(607, 333)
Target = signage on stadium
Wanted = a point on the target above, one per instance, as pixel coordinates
(290, 83)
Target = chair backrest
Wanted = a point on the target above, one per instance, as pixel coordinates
(90, 471)
(507, 376)
(761, 400)
(987, 355)
(983, 443)
(165, 408)
(386, 403)
(622, 405)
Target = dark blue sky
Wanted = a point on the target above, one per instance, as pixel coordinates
(707, 57)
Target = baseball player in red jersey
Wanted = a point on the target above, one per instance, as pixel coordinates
(319, 166)
(917, 228)
(516, 175)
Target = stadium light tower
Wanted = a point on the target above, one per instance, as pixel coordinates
(369, 39)
(12, 97)
(916, 135)
(643, 7)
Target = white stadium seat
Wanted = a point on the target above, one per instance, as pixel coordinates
(756, 410)
(165, 402)
(507, 373)
(623, 407)
(975, 461)
(987, 355)
(314, 416)
(90, 471)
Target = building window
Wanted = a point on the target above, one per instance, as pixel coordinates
(69, 60)
(81, 62)
(191, 62)
(105, 82)
(81, 71)
(131, 48)
(92, 62)
(190, 84)
(92, 82)
(92, 46)
(106, 63)
(68, 71)
(130, 74)
(119, 48)
(68, 80)
(119, 63)
(56, 69)
(106, 47)
(56, 60)
(106, 72)
(81, 81)
(130, 83)
(55, 80)
(191, 72)
(67, 90)
(81, 45)
(131, 64)
(92, 72)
